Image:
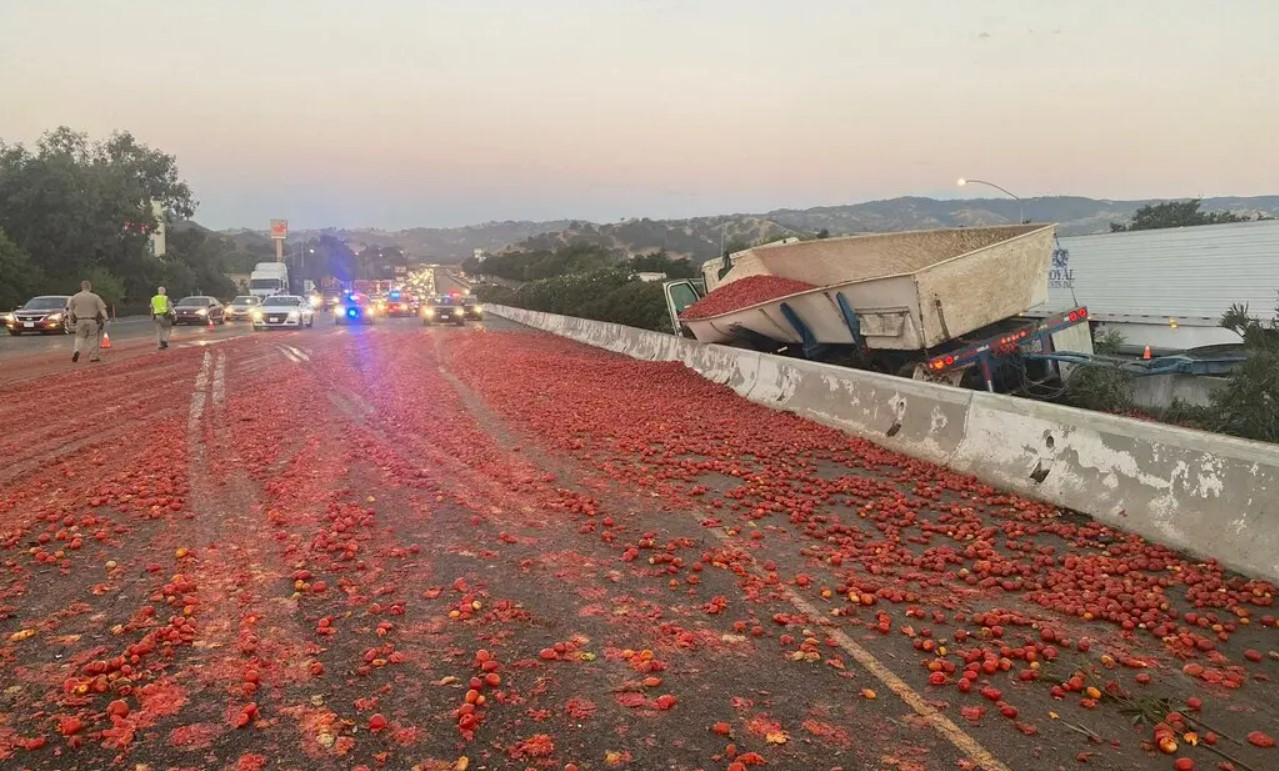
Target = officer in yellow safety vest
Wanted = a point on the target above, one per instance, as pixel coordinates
(162, 315)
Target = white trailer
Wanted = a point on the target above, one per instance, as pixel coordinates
(1167, 289)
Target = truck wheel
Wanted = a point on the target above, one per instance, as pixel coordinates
(912, 371)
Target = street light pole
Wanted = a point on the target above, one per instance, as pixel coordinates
(1021, 208)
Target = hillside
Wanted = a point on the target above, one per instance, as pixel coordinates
(681, 238)
(700, 237)
(1074, 214)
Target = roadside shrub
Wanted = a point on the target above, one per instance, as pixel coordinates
(1099, 388)
(1248, 406)
(635, 304)
(602, 295)
(1109, 343)
(497, 295)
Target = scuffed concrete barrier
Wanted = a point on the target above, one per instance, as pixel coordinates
(1207, 494)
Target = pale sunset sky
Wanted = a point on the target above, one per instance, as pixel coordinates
(398, 113)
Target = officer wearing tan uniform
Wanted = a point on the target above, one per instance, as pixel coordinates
(89, 315)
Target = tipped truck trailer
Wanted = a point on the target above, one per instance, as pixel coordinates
(940, 305)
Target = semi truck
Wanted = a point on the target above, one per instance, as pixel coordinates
(1168, 288)
(269, 278)
(938, 305)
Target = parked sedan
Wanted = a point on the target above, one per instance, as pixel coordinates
(46, 314)
(242, 307)
(199, 309)
(284, 311)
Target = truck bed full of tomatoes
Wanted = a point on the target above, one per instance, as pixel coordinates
(743, 293)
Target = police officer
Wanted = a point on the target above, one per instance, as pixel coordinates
(88, 314)
(162, 315)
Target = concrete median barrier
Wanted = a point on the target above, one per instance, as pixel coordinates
(1210, 495)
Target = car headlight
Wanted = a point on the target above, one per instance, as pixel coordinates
(315, 302)
(202, 312)
(293, 316)
(429, 313)
(257, 315)
(55, 317)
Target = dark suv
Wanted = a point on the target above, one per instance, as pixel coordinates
(46, 314)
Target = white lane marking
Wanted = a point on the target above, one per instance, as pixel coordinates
(204, 343)
(299, 353)
(197, 398)
(288, 354)
(219, 379)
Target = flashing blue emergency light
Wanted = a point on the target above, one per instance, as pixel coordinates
(395, 295)
(352, 312)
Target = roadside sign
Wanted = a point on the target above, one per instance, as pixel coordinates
(280, 229)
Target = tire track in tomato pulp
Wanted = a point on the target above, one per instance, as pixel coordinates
(471, 504)
(684, 430)
(541, 595)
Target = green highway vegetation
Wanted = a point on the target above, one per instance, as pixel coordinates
(72, 208)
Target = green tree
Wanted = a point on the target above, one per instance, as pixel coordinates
(19, 278)
(576, 257)
(106, 285)
(197, 261)
(73, 205)
(1247, 406)
(661, 262)
(1174, 214)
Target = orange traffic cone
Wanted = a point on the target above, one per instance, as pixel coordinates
(106, 340)
(1146, 354)
(210, 322)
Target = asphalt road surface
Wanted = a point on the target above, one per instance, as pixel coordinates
(129, 337)
(406, 547)
(447, 281)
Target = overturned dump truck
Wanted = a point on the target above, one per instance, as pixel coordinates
(939, 305)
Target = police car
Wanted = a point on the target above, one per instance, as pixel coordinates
(444, 309)
(354, 309)
(283, 311)
(401, 304)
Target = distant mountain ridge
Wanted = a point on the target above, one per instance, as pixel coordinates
(700, 237)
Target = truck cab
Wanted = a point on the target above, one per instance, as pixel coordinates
(269, 278)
